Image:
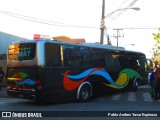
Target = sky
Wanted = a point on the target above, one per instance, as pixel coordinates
(81, 19)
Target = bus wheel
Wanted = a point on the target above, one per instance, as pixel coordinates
(85, 93)
(135, 85)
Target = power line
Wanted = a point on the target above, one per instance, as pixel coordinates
(121, 12)
(154, 27)
(121, 6)
(118, 34)
(47, 22)
(142, 28)
(59, 24)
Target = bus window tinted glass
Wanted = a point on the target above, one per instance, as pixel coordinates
(133, 61)
(71, 57)
(85, 56)
(22, 51)
(98, 57)
(52, 55)
(111, 61)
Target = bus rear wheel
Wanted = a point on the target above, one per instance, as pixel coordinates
(85, 93)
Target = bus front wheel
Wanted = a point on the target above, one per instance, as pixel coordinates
(85, 93)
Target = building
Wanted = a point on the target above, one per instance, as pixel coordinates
(5, 40)
(67, 39)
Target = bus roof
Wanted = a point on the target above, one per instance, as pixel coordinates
(97, 45)
(93, 45)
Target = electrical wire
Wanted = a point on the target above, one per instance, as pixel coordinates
(54, 23)
(47, 22)
(138, 27)
(121, 6)
(142, 28)
(121, 12)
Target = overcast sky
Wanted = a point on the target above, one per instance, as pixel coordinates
(81, 19)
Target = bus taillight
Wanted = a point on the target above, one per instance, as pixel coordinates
(38, 85)
(38, 82)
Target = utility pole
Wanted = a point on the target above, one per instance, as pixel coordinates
(118, 34)
(102, 22)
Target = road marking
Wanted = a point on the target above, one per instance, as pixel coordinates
(11, 99)
(116, 97)
(2, 102)
(131, 96)
(147, 96)
(101, 98)
(144, 86)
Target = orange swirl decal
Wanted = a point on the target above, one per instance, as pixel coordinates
(71, 82)
(71, 85)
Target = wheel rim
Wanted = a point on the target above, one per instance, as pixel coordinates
(84, 94)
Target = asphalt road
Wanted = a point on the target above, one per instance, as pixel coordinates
(119, 106)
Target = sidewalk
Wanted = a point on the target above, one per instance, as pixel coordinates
(3, 92)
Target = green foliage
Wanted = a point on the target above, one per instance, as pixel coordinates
(157, 37)
(156, 48)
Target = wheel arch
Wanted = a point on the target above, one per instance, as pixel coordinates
(136, 82)
(79, 88)
(137, 79)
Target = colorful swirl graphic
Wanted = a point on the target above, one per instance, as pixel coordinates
(21, 75)
(71, 82)
(26, 81)
(22, 81)
(71, 85)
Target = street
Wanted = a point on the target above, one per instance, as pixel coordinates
(140, 101)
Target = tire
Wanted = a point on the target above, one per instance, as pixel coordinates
(135, 85)
(85, 93)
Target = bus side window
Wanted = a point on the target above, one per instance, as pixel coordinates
(98, 57)
(112, 63)
(143, 63)
(52, 55)
(67, 55)
(85, 56)
(133, 63)
(70, 54)
(108, 61)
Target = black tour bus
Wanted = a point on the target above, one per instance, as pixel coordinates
(48, 70)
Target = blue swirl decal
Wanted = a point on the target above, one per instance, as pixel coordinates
(102, 73)
(82, 75)
(26, 81)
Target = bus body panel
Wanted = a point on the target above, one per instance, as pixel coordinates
(58, 70)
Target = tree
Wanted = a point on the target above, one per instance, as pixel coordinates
(156, 48)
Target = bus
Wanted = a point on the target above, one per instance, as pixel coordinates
(50, 70)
